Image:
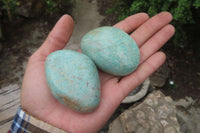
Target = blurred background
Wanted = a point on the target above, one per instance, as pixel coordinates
(24, 25)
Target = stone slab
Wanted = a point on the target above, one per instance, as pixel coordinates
(156, 114)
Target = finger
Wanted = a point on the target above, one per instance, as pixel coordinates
(132, 22)
(156, 42)
(128, 83)
(58, 37)
(105, 77)
(150, 27)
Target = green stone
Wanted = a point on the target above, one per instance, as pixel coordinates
(73, 80)
(112, 50)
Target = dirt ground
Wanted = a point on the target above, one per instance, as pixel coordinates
(184, 71)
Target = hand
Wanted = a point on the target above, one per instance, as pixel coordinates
(37, 100)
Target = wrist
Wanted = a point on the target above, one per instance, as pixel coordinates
(24, 122)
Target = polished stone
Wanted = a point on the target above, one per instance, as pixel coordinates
(73, 79)
(112, 50)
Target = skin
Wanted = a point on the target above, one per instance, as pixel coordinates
(149, 33)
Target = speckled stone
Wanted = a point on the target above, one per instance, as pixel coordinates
(112, 50)
(156, 114)
(73, 79)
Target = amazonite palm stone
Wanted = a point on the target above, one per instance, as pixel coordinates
(73, 79)
(112, 50)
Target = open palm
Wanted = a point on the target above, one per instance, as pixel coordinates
(37, 100)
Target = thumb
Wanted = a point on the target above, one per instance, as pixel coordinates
(58, 37)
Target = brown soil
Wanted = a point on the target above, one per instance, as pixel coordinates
(185, 72)
(110, 19)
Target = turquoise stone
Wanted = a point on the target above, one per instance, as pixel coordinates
(73, 79)
(112, 50)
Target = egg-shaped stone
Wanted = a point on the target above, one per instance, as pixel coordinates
(112, 50)
(73, 79)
